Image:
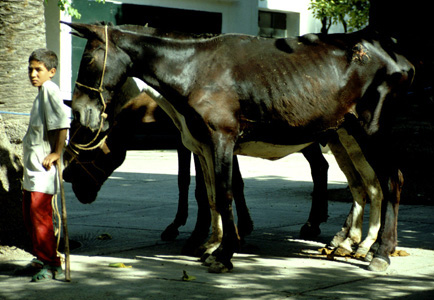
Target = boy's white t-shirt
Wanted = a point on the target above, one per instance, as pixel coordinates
(48, 113)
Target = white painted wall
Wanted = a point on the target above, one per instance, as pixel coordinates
(58, 39)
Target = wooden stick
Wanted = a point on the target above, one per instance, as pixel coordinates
(64, 223)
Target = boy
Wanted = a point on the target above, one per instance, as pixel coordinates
(42, 147)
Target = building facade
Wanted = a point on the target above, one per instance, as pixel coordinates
(268, 18)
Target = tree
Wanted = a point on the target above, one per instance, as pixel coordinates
(352, 14)
(22, 29)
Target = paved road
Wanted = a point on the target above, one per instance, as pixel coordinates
(139, 201)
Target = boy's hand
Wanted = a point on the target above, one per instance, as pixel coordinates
(49, 160)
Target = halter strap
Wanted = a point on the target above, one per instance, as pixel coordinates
(99, 90)
(74, 155)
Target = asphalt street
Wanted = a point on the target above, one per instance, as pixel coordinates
(139, 200)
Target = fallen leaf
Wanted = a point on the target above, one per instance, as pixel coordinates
(186, 277)
(104, 237)
(119, 265)
(399, 253)
(325, 251)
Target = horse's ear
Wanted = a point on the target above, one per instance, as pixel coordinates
(86, 31)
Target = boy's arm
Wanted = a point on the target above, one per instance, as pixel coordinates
(59, 138)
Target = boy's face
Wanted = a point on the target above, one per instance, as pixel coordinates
(38, 73)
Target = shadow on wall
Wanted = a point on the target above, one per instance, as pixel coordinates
(12, 231)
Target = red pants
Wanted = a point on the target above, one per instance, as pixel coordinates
(38, 218)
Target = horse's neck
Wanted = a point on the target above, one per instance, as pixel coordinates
(160, 61)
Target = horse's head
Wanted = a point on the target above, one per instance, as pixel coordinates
(88, 170)
(391, 76)
(101, 74)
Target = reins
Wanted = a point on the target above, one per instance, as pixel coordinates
(100, 91)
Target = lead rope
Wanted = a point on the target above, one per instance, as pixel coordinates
(99, 90)
(57, 224)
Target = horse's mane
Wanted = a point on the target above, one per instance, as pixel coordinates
(158, 32)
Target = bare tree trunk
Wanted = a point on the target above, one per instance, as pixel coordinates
(22, 29)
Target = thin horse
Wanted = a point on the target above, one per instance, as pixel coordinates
(238, 94)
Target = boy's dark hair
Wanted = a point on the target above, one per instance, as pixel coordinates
(46, 56)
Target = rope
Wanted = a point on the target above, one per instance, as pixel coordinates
(57, 223)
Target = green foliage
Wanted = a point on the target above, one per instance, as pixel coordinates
(352, 14)
(66, 6)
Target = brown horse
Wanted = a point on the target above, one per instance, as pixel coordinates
(88, 170)
(238, 94)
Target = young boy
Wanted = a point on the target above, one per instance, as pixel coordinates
(42, 148)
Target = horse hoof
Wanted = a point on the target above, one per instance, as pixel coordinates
(361, 252)
(337, 240)
(170, 233)
(339, 251)
(219, 267)
(309, 231)
(369, 256)
(208, 259)
(378, 265)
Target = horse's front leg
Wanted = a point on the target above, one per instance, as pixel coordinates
(388, 235)
(221, 160)
(319, 208)
(207, 172)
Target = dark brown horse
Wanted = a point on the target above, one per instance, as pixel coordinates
(237, 94)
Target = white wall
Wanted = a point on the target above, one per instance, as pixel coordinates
(58, 39)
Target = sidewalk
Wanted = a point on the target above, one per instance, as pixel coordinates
(140, 200)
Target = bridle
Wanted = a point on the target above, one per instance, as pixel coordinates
(100, 91)
(87, 147)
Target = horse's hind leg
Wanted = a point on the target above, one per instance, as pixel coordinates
(245, 223)
(372, 188)
(203, 221)
(351, 232)
(184, 162)
(319, 209)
